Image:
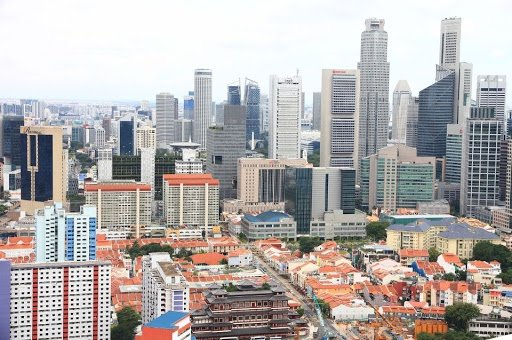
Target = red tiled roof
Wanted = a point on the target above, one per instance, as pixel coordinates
(116, 187)
(190, 179)
(413, 252)
(208, 258)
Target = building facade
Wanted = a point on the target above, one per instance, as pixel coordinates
(317, 110)
(202, 105)
(374, 93)
(284, 117)
(146, 138)
(10, 130)
(491, 92)
(340, 118)
(269, 224)
(402, 97)
(252, 103)
(453, 153)
(166, 115)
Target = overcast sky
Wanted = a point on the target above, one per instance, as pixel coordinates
(131, 50)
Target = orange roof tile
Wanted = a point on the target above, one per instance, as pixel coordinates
(116, 187)
(207, 258)
(190, 179)
(413, 252)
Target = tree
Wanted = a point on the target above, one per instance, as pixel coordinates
(487, 251)
(230, 287)
(377, 230)
(506, 276)
(3, 209)
(308, 244)
(127, 321)
(243, 238)
(223, 261)
(135, 250)
(300, 311)
(314, 158)
(457, 316)
(265, 286)
(449, 277)
(433, 254)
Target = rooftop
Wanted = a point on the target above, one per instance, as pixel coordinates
(167, 320)
(267, 216)
(190, 179)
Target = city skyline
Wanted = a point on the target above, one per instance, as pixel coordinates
(113, 59)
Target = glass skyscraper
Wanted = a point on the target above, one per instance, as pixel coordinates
(126, 137)
(234, 96)
(298, 192)
(252, 102)
(11, 138)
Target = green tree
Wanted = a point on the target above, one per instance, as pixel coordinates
(243, 238)
(223, 261)
(135, 250)
(308, 244)
(487, 251)
(433, 254)
(506, 276)
(127, 321)
(3, 209)
(230, 287)
(314, 158)
(457, 316)
(377, 230)
(300, 311)
(449, 277)
(265, 286)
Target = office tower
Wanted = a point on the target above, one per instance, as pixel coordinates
(78, 135)
(106, 124)
(491, 92)
(463, 82)
(99, 137)
(121, 205)
(453, 153)
(374, 94)
(164, 288)
(411, 138)
(252, 103)
(340, 118)
(284, 117)
(147, 166)
(89, 135)
(202, 105)
(234, 95)
(44, 165)
(264, 113)
(166, 114)
(221, 155)
(449, 49)
(322, 199)
(146, 138)
(183, 130)
(396, 178)
(30, 108)
(302, 104)
(435, 112)
(188, 106)
(317, 107)
(62, 300)
(262, 180)
(191, 200)
(502, 182)
(402, 97)
(127, 135)
(104, 165)
(11, 139)
(219, 113)
(480, 161)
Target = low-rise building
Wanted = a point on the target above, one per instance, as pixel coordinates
(337, 224)
(483, 272)
(488, 327)
(370, 253)
(240, 257)
(450, 262)
(269, 224)
(222, 245)
(433, 208)
(408, 256)
(168, 326)
(446, 293)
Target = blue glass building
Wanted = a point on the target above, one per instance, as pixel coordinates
(234, 95)
(41, 155)
(298, 195)
(188, 106)
(252, 102)
(126, 137)
(11, 139)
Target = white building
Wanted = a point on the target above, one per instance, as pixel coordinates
(60, 300)
(104, 165)
(264, 113)
(202, 105)
(402, 97)
(193, 166)
(163, 287)
(146, 138)
(166, 114)
(99, 139)
(374, 94)
(50, 233)
(340, 118)
(491, 92)
(449, 49)
(284, 117)
(81, 234)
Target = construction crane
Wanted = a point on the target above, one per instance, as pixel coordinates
(327, 334)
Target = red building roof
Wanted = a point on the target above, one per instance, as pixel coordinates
(190, 179)
(117, 187)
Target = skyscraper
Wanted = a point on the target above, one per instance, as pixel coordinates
(104, 164)
(480, 161)
(146, 138)
(226, 144)
(284, 117)
(166, 114)
(317, 104)
(127, 135)
(264, 113)
(402, 97)
(453, 152)
(234, 95)
(188, 106)
(435, 112)
(252, 103)
(340, 118)
(491, 92)
(10, 146)
(449, 49)
(44, 166)
(374, 94)
(202, 105)
(411, 138)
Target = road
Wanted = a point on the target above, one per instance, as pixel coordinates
(309, 308)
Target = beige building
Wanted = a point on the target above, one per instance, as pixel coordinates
(46, 172)
(146, 138)
(121, 205)
(191, 200)
(446, 236)
(261, 180)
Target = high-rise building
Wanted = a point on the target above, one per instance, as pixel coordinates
(104, 164)
(127, 135)
(146, 138)
(78, 134)
(449, 49)
(491, 92)
(50, 234)
(10, 140)
(234, 95)
(453, 153)
(396, 178)
(302, 104)
(202, 105)
(435, 112)
(44, 166)
(340, 118)
(147, 166)
(222, 156)
(252, 103)
(99, 137)
(183, 130)
(166, 115)
(317, 106)
(121, 205)
(59, 300)
(106, 124)
(164, 288)
(81, 234)
(411, 138)
(284, 117)
(374, 94)
(264, 113)
(188, 106)
(191, 200)
(219, 113)
(480, 161)
(402, 97)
